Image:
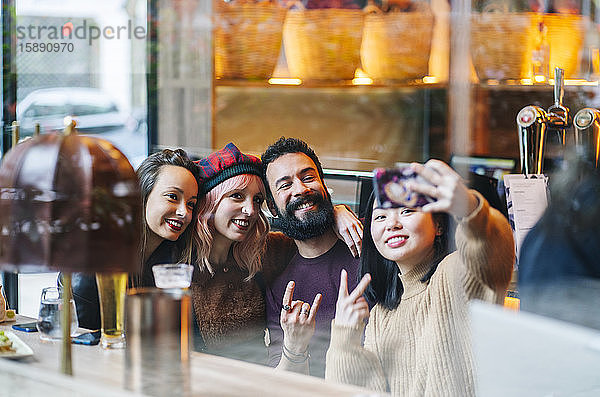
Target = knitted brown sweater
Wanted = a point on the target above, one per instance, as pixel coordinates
(230, 310)
(422, 348)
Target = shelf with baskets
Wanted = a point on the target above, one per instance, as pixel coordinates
(253, 39)
(350, 57)
(256, 42)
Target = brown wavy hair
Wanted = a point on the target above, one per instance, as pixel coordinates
(148, 173)
(247, 253)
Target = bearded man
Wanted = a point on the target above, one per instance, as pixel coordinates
(300, 202)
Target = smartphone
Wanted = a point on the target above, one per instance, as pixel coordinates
(26, 327)
(391, 191)
(89, 338)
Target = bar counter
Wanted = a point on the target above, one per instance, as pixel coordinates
(100, 372)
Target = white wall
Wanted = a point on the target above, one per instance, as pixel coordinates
(30, 290)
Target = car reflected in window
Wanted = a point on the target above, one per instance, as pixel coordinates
(94, 111)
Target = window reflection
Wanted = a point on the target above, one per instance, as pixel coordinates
(82, 60)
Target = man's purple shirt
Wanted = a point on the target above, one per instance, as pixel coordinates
(312, 276)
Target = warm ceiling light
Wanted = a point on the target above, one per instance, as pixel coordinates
(362, 81)
(284, 81)
(580, 82)
(361, 78)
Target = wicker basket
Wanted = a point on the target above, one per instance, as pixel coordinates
(501, 45)
(565, 35)
(247, 39)
(396, 46)
(323, 44)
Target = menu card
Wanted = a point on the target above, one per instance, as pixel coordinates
(526, 199)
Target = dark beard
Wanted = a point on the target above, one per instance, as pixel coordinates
(315, 224)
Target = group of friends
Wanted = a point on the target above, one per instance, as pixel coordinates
(382, 306)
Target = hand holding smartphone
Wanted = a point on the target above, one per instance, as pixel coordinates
(391, 191)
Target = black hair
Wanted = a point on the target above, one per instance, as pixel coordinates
(285, 146)
(148, 172)
(385, 287)
(574, 193)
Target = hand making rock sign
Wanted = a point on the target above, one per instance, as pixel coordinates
(297, 320)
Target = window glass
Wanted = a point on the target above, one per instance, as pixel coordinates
(86, 60)
(83, 59)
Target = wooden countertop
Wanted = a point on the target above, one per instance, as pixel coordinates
(100, 372)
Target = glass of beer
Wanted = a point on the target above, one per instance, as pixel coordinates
(111, 291)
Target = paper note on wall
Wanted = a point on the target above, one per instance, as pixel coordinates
(526, 199)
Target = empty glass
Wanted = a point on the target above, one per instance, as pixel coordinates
(48, 323)
(173, 275)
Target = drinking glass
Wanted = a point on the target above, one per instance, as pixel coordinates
(177, 275)
(48, 322)
(159, 336)
(111, 291)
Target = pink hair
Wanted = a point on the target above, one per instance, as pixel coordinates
(247, 253)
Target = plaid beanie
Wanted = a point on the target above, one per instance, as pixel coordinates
(224, 164)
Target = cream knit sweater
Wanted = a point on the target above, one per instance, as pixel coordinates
(422, 348)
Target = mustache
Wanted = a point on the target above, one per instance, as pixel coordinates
(315, 198)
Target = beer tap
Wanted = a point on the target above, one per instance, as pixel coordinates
(587, 134)
(558, 115)
(532, 122)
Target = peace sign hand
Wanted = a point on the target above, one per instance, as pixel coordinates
(351, 309)
(297, 320)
